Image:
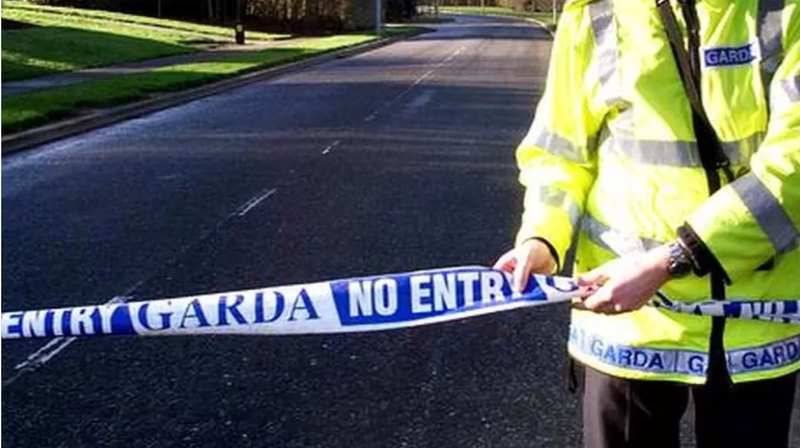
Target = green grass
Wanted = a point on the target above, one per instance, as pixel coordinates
(65, 39)
(24, 111)
(42, 51)
(545, 17)
(392, 31)
(97, 15)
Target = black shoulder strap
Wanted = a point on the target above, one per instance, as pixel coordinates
(711, 154)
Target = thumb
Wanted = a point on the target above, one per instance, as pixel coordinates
(594, 278)
(522, 271)
(600, 301)
(507, 262)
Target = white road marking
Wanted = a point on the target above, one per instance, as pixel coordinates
(374, 114)
(44, 354)
(330, 147)
(253, 202)
(51, 349)
(55, 346)
(421, 100)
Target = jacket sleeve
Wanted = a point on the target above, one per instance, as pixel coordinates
(758, 216)
(557, 158)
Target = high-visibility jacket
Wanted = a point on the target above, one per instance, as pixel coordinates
(611, 162)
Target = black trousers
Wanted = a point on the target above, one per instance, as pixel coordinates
(620, 413)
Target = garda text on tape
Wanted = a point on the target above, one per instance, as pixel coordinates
(363, 304)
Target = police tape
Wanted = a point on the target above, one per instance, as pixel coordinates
(782, 311)
(354, 305)
(375, 303)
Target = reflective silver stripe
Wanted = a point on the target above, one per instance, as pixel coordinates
(769, 214)
(791, 88)
(677, 153)
(618, 241)
(772, 356)
(555, 197)
(770, 36)
(606, 48)
(740, 151)
(665, 361)
(559, 146)
(653, 152)
(784, 93)
(765, 357)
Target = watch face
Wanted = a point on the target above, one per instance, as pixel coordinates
(679, 264)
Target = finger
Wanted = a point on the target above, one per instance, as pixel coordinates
(521, 273)
(600, 301)
(595, 277)
(577, 305)
(599, 309)
(606, 308)
(585, 289)
(506, 262)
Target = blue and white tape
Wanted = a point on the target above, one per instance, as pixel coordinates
(783, 311)
(364, 304)
(376, 303)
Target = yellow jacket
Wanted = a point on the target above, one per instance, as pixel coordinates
(611, 155)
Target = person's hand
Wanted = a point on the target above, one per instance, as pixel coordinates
(624, 284)
(530, 257)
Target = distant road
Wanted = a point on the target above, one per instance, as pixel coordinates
(394, 160)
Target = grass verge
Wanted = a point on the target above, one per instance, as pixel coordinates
(25, 111)
(63, 39)
(544, 17)
(40, 51)
(198, 28)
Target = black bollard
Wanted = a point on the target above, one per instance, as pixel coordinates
(240, 34)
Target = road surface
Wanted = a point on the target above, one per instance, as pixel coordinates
(394, 160)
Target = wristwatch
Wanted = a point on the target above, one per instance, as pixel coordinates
(680, 264)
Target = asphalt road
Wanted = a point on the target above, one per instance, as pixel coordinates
(394, 160)
(390, 161)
